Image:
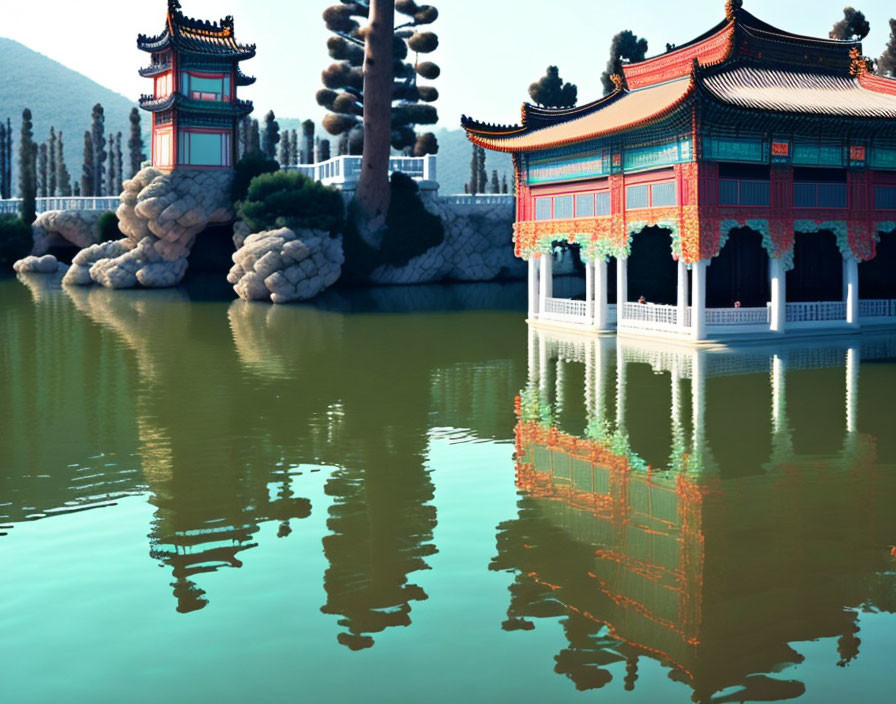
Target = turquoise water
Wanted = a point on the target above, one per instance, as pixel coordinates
(205, 500)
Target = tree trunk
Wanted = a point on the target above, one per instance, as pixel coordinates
(373, 194)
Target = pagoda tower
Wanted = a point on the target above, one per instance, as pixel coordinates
(194, 106)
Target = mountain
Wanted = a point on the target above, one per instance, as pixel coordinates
(64, 98)
(60, 97)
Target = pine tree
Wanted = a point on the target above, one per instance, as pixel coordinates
(43, 174)
(308, 142)
(51, 165)
(293, 148)
(552, 92)
(325, 150)
(886, 64)
(625, 46)
(88, 168)
(63, 178)
(27, 168)
(283, 155)
(483, 174)
(136, 155)
(98, 132)
(271, 135)
(852, 27)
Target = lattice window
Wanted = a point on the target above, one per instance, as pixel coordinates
(542, 208)
(602, 203)
(885, 197)
(663, 194)
(562, 207)
(585, 205)
(637, 197)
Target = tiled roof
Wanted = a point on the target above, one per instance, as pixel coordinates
(196, 36)
(798, 92)
(630, 109)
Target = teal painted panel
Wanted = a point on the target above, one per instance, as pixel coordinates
(725, 149)
(809, 154)
(883, 158)
(567, 165)
(205, 149)
(666, 154)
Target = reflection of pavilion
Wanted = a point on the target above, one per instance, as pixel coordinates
(711, 561)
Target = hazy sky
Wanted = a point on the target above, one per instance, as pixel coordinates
(491, 50)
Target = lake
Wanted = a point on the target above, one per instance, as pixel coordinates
(403, 494)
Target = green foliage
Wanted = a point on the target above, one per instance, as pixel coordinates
(289, 199)
(252, 164)
(411, 229)
(15, 240)
(107, 226)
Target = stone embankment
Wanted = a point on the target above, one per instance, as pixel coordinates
(65, 227)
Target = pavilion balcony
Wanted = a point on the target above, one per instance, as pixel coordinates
(156, 69)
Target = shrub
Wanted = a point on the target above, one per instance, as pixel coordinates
(107, 226)
(411, 229)
(248, 167)
(289, 199)
(15, 240)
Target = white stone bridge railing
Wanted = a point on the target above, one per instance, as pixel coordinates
(344, 171)
(12, 206)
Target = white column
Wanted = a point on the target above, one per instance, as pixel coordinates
(533, 289)
(779, 395)
(779, 295)
(851, 284)
(698, 401)
(546, 281)
(621, 288)
(682, 293)
(698, 300)
(852, 389)
(620, 387)
(600, 293)
(542, 365)
(589, 293)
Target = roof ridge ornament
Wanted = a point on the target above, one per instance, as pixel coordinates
(618, 81)
(173, 6)
(859, 63)
(731, 8)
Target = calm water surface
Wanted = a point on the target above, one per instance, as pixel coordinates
(219, 501)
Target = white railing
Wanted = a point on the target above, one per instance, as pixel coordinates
(649, 316)
(738, 316)
(816, 312)
(480, 199)
(345, 170)
(42, 205)
(565, 310)
(882, 308)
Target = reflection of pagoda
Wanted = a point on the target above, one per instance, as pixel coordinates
(195, 72)
(715, 566)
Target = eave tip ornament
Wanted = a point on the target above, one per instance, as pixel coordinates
(617, 80)
(731, 8)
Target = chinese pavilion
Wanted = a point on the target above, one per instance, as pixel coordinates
(744, 182)
(195, 71)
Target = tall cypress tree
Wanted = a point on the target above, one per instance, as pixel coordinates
(243, 132)
(109, 181)
(283, 155)
(474, 172)
(308, 142)
(119, 165)
(8, 158)
(43, 173)
(63, 178)
(98, 135)
(51, 164)
(271, 135)
(2, 160)
(88, 168)
(136, 155)
(483, 174)
(325, 150)
(27, 168)
(253, 139)
(293, 147)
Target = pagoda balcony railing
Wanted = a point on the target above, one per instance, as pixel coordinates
(344, 171)
(877, 308)
(649, 316)
(816, 312)
(737, 316)
(565, 310)
(480, 199)
(42, 205)
(156, 69)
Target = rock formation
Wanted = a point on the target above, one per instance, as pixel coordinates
(282, 266)
(160, 215)
(46, 264)
(61, 227)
